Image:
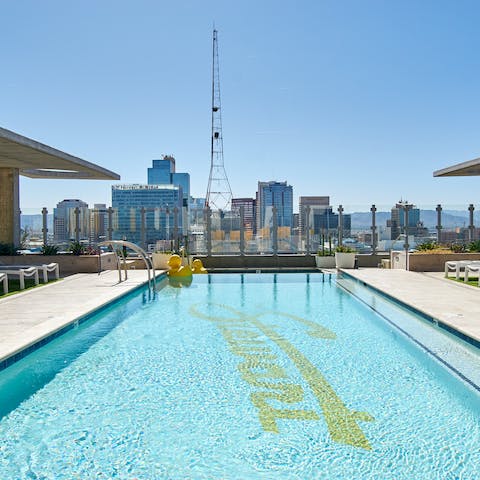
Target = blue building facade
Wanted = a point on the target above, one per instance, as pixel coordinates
(413, 218)
(163, 212)
(326, 222)
(163, 172)
(274, 194)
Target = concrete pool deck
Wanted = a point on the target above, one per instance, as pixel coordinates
(28, 317)
(453, 303)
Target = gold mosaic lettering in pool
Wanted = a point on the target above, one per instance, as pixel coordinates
(259, 368)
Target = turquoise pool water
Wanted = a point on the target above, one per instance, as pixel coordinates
(238, 377)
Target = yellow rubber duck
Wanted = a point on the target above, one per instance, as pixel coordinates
(176, 268)
(197, 266)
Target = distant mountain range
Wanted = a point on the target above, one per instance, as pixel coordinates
(450, 219)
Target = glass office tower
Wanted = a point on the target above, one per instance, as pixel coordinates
(163, 172)
(159, 202)
(277, 194)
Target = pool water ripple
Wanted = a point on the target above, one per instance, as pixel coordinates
(161, 395)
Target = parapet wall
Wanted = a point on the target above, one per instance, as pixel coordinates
(68, 264)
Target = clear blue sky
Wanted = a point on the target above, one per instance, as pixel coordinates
(359, 100)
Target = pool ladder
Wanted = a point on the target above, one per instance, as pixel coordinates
(143, 254)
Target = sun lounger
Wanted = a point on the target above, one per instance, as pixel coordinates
(472, 267)
(21, 273)
(4, 280)
(458, 266)
(42, 269)
(50, 267)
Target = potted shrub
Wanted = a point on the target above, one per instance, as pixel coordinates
(49, 250)
(76, 248)
(344, 257)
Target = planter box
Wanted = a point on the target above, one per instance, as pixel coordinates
(325, 261)
(344, 260)
(429, 262)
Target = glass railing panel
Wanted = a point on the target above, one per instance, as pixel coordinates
(225, 232)
(164, 229)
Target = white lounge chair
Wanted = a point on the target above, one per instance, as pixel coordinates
(42, 269)
(4, 280)
(21, 273)
(458, 266)
(472, 267)
(50, 267)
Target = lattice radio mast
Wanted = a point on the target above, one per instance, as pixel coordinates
(219, 193)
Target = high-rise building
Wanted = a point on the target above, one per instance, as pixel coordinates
(397, 220)
(325, 222)
(163, 172)
(98, 223)
(156, 211)
(65, 220)
(274, 194)
(163, 212)
(249, 208)
(318, 205)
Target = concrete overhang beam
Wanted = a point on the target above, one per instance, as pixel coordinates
(34, 159)
(466, 169)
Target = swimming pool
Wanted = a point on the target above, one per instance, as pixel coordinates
(239, 377)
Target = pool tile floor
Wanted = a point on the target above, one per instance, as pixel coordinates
(30, 316)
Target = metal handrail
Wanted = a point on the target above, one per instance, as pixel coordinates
(143, 254)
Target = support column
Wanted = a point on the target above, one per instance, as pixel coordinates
(307, 230)
(208, 228)
(274, 230)
(373, 209)
(77, 224)
(175, 229)
(406, 245)
(242, 230)
(439, 223)
(110, 223)
(9, 206)
(340, 225)
(44, 228)
(471, 226)
(143, 227)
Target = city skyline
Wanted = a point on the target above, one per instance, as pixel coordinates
(360, 102)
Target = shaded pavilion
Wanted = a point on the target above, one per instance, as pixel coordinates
(20, 155)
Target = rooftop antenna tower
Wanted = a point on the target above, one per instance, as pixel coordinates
(219, 193)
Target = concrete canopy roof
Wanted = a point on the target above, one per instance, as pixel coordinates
(37, 160)
(465, 169)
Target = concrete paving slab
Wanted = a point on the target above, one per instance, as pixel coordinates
(450, 302)
(27, 317)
